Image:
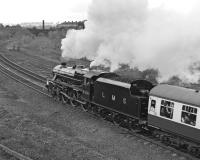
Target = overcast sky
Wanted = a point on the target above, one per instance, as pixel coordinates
(17, 11)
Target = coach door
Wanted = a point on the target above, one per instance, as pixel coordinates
(152, 106)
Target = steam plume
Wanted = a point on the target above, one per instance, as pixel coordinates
(129, 32)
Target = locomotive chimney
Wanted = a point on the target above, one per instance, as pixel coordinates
(43, 27)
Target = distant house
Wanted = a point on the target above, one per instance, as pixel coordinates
(71, 25)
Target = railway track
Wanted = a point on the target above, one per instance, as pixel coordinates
(29, 79)
(22, 70)
(23, 76)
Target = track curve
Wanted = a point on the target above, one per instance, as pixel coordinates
(15, 72)
(27, 72)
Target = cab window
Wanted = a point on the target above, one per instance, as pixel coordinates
(167, 109)
(189, 115)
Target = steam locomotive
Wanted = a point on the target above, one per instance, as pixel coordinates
(169, 113)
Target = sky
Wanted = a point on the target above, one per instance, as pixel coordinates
(18, 11)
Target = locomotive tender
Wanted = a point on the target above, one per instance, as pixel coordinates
(167, 112)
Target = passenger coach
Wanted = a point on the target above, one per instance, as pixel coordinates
(175, 110)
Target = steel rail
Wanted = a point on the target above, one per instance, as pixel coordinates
(21, 69)
(158, 143)
(13, 153)
(23, 81)
(8, 73)
(26, 70)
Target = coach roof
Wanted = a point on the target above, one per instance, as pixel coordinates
(175, 93)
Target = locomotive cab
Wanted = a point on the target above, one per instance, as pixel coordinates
(87, 88)
(88, 85)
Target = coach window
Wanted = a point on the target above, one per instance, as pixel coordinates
(167, 109)
(189, 115)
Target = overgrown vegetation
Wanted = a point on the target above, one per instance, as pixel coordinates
(128, 74)
(13, 37)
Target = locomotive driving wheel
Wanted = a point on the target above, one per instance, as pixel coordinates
(85, 107)
(194, 151)
(117, 119)
(95, 109)
(103, 113)
(73, 99)
(52, 91)
(64, 99)
(57, 95)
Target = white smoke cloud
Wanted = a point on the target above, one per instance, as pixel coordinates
(130, 32)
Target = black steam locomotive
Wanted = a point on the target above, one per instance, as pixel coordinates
(167, 112)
